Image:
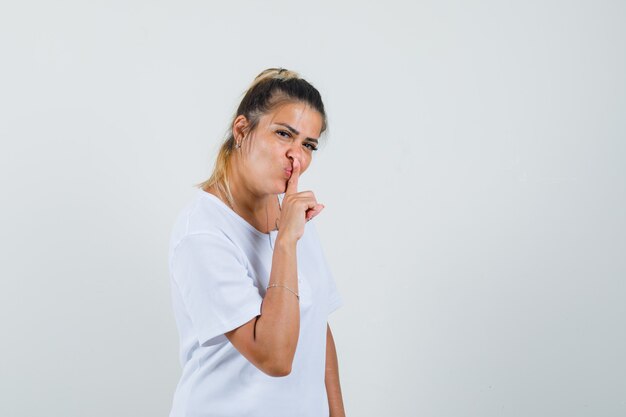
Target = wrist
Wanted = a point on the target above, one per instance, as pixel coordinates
(285, 242)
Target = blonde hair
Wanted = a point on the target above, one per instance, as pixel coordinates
(270, 89)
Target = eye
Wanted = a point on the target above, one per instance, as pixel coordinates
(283, 133)
(311, 146)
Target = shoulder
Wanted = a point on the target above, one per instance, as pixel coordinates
(203, 215)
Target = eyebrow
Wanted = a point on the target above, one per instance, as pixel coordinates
(295, 132)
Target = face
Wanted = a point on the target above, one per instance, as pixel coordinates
(290, 132)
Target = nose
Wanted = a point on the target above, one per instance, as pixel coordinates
(295, 152)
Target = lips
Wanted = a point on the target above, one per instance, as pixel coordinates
(287, 172)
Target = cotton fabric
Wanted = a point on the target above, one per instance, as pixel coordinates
(219, 270)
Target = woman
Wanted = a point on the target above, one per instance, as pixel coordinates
(251, 288)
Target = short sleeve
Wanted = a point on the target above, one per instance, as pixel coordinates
(215, 286)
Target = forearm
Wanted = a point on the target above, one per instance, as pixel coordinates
(333, 387)
(278, 326)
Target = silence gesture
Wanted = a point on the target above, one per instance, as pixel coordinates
(297, 208)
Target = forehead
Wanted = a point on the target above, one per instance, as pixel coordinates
(300, 116)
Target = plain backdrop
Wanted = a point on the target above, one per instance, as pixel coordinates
(473, 175)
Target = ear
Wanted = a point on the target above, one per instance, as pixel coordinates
(240, 126)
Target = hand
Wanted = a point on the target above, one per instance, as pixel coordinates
(297, 207)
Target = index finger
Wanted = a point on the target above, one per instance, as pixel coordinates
(292, 184)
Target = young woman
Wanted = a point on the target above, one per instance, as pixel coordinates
(251, 288)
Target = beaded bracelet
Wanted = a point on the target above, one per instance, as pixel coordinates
(284, 286)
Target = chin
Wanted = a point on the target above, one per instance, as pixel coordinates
(277, 188)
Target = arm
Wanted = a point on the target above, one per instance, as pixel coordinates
(269, 340)
(333, 388)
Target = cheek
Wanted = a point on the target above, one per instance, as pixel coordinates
(306, 162)
(260, 158)
(266, 165)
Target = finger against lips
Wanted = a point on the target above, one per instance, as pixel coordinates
(292, 184)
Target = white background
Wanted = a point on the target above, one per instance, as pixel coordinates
(474, 181)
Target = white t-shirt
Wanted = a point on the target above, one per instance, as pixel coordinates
(219, 271)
